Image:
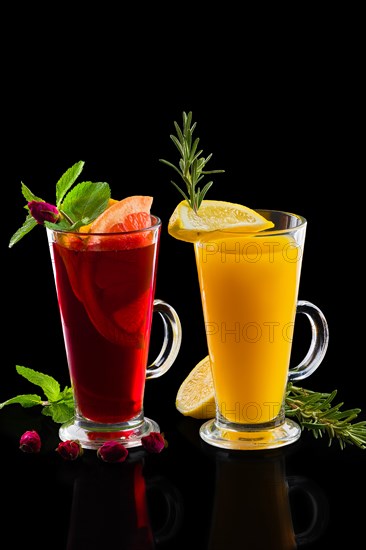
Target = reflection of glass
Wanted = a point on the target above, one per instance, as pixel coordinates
(105, 286)
(249, 285)
(111, 508)
(252, 505)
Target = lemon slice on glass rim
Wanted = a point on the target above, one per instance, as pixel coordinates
(187, 225)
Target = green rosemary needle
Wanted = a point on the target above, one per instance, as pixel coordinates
(191, 164)
(315, 411)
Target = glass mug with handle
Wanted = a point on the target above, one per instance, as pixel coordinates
(249, 286)
(105, 286)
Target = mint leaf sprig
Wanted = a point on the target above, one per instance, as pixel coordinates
(315, 412)
(76, 207)
(191, 165)
(58, 404)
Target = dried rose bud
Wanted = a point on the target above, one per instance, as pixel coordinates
(43, 212)
(112, 451)
(154, 442)
(30, 442)
(70, 449)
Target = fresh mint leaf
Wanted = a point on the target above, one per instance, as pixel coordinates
(73, 208)
(28, 195)
(49, 385)
(67, 180)
(86, 201)
(27, 226)
(30, 222)
(60, 404)
(59, 412)
(62, 225)
(67, 394)
(28, 400)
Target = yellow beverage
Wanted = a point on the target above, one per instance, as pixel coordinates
(249, 286)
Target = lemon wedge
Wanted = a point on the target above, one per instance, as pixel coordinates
(186, 225)
(195, 396)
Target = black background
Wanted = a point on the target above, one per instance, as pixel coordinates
(279, 101)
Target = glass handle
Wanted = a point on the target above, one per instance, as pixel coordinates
(308, 493)
(172, 340)
(171, 500)
(319, 341)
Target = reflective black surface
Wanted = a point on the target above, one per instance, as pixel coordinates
(190, 492)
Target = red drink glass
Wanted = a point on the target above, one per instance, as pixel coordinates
(105, 287)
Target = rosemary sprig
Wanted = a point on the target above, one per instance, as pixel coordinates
(191, 164)
(316, 412)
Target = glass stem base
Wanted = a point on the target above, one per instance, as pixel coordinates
(92, 435)
(216, 434)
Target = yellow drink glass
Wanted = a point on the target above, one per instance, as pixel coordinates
(249, 286)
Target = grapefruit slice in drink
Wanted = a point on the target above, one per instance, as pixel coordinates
(116, 293)
(113, 218)
(125, 216)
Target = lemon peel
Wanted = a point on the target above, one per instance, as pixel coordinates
(214, 216)
(195, 396)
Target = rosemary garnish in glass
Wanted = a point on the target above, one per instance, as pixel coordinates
(191, 164)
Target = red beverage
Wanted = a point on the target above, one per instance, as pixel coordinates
(105, 286)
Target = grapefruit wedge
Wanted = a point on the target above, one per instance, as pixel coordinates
(124, 216)
(116, 293)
